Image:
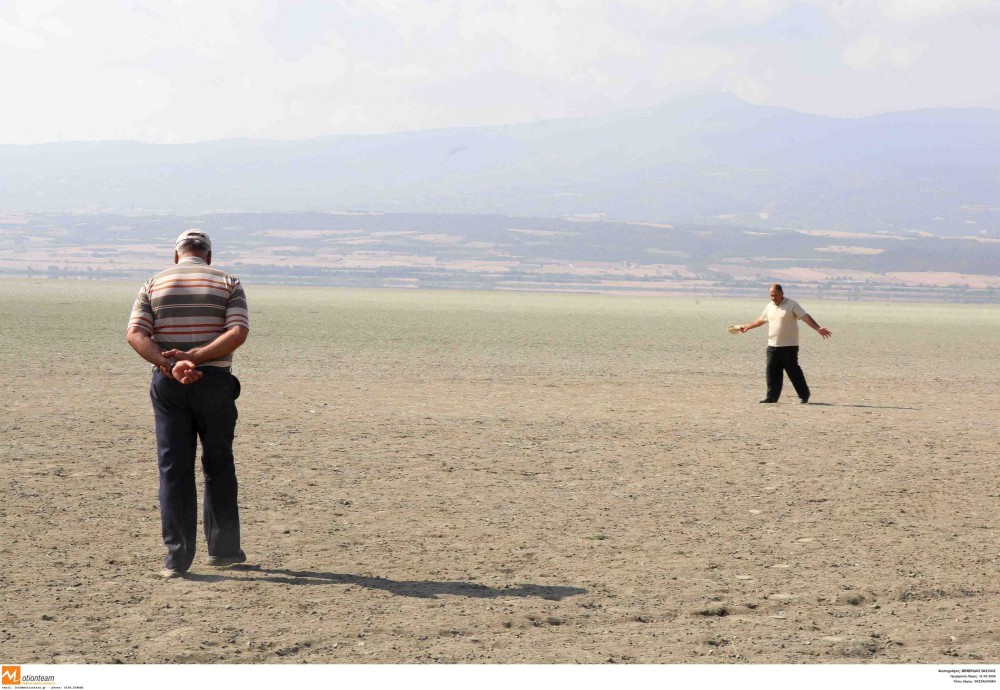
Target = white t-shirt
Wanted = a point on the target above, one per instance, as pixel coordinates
(783, 322)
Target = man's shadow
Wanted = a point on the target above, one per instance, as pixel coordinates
(873, 407)
(422, 589)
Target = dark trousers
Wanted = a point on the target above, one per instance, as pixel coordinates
(785, 359)
(205, 409)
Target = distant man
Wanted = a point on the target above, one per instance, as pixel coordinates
(187, 321)
(782, 318)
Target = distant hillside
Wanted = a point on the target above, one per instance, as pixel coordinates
(713, 160)
(514, 252)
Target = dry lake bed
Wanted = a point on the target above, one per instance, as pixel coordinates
(503, 478)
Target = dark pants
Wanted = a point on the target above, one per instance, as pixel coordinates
(205, 409)
(785, 359)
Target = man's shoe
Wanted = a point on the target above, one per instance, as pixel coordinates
(804, 401)
(171, 573)
(768, 400)
(225, 561)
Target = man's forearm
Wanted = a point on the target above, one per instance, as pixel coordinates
(223, 345)
(825, 332)
(754, 324)
(146, 347)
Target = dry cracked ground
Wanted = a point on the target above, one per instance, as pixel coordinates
(508, 478)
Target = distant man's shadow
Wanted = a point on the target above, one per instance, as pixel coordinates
(422, 589)
(874, 407)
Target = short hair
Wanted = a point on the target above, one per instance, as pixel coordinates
(778, 286)
(193, 245)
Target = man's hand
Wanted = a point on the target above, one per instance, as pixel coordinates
(811, 322)
(166, 367)
(183, 369)
(185, 372)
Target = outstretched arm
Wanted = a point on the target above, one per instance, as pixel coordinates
(825, 332)
(752, 325)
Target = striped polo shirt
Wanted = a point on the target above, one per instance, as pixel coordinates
(190, 305)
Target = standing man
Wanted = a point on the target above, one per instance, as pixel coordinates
(187, 321)
(782, 318)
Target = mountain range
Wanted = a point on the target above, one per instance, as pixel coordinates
(711, 160)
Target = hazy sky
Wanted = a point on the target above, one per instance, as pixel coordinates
(177, 71)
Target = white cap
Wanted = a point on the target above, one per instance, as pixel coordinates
(193, 234)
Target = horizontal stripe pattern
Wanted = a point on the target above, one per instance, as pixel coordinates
(189, 305)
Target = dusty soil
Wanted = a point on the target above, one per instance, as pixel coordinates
(454, 477)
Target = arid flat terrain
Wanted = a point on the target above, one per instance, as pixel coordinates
(513, 478)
